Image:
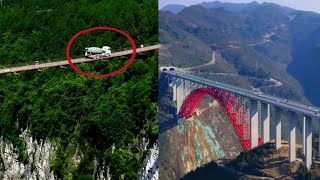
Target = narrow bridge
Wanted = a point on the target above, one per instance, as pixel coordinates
(248, 111)
(75, 61)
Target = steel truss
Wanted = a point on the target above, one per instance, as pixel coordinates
(235, 106)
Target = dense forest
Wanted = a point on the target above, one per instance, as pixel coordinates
(40, 30)
(79, 115)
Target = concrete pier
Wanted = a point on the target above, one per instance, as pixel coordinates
(179, 94)
(319, 138)
(308, 141)
(278, 127)
(254, 123)
(174, 90)
(292, 117)
(304, 135)
(265, 119)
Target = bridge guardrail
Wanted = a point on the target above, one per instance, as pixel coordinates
(25, 66)
(275, 101)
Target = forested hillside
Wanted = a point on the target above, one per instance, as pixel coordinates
(40, 30)
(96, 127)
(260, 41)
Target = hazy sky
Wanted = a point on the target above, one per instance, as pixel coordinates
(308, 5)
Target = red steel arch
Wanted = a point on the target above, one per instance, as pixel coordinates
(237, 114)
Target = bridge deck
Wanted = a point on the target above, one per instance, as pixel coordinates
(75, 61)
(272, 100)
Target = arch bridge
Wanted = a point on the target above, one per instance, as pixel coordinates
(249, 112)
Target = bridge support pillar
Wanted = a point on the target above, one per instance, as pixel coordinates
(304, 135)
(278, 127)
(265, 118)
(308, 141)
(174, 90)
(292, 136)
(319, 139)
(184, 90)
(179, 94)
(254, 123)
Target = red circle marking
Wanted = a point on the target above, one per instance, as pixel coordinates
(134, 48)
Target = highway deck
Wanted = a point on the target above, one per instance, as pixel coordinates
(290, 105)
(74, 61)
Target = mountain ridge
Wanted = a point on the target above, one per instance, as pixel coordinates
(233, 7)
(173, 8)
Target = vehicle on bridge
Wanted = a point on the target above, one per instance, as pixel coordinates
(95, 52)
(256, 91)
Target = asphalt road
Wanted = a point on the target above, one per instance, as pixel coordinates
(74, 61)
(272, 100)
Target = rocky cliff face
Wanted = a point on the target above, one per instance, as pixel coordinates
(39, 154)
(151, 167)
(197, 141)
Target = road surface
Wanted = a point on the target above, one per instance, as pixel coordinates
(272, 100)
(213, 61)
(75, 61)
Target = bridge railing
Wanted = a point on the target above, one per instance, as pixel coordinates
(307, 110)
(45, 64)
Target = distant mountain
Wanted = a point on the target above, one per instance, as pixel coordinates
(283, 8)
(262, 41)
(234, 7)
(238, 7)
(173, 8)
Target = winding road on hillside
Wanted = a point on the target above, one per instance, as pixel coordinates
(264, 39)
(214, 53)
(188, 69)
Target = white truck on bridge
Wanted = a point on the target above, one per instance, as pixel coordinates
(95, 52)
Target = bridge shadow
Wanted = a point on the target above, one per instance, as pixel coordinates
(168, 117)
(168, 124)
(211, 171)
